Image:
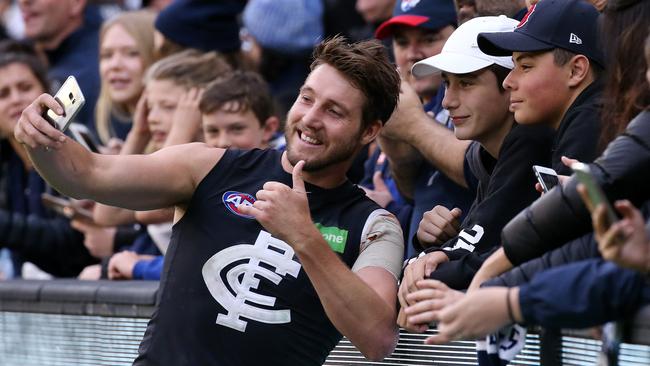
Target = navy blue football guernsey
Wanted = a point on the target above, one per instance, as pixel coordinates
(230, 293)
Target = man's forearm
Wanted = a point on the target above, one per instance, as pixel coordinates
(354, 307)
(440, 147)
(66, 169)
(404, 161)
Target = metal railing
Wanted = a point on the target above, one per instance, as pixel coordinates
(69, 322)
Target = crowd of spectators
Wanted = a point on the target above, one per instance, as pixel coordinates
(402, 133)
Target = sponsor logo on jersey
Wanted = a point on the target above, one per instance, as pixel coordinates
(407, 5)
(334, 236)
(233, 200)
(232, 273)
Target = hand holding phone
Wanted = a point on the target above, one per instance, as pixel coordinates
(546, 177)
(71, 99)
(66, 207)
(594, 194)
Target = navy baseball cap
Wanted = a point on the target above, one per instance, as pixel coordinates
(571, 25)
(430, 14)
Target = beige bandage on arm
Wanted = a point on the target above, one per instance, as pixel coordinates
(382, 244)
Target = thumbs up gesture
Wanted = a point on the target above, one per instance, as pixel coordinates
(284, 210)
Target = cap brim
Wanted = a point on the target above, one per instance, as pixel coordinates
(505, 43)
(385, 30)
(449, 62)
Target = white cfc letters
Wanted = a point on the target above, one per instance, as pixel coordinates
(467, 239)
(236, 296)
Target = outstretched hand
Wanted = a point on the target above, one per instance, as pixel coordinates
(282, 210)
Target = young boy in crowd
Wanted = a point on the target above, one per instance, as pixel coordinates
(555, 82)
(238, 112)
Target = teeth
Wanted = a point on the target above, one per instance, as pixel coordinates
(309, 139)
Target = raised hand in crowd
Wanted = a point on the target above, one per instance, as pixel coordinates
(407, 115)
(439, 225)
(381, 194)
(139, 135)
(186, 121)
(626, 242)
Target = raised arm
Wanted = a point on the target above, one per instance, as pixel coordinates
(139, 182)
(435, 143)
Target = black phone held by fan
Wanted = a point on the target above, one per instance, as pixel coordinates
(546, 177)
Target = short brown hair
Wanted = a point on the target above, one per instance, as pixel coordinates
(365, 64)
(246, 90)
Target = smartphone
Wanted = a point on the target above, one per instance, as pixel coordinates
(65, 207)
(84, 137)
(71, 99)
(547, 177)
(595, 193)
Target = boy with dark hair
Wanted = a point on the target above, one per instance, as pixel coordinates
(238, 112)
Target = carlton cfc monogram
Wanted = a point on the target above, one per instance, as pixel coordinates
(236, 295)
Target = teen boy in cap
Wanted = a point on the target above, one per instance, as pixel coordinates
(554, 82)
(497, 163)
(419, 30)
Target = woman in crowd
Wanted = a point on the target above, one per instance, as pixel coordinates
(125, 52)
(32, 232)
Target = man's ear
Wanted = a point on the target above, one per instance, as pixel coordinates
(270, 126)
(371, 131)
(579, 70)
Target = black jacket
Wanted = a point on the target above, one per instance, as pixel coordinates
(50, 243)
(506, 186)
(623, 171)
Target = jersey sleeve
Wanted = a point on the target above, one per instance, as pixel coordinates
(382, 244)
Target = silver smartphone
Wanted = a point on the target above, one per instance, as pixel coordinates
(71, 99)
(594, 192)
(547, 177)
(84, 137)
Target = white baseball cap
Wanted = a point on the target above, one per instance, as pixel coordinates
(461, 55)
